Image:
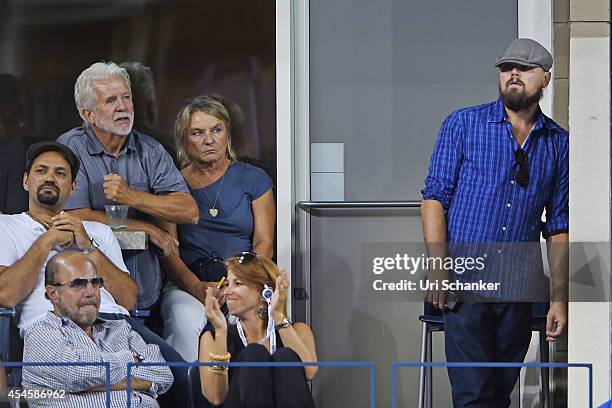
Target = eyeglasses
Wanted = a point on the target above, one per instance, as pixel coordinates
(245, 257)
(522, 175)
(510, 67)
(81, 283)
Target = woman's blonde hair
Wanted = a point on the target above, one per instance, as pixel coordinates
(256, 272)
(203, 103)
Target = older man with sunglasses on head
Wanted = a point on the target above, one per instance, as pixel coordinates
(495, 170)
(74, 333)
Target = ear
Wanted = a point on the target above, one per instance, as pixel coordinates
(51, 293)
(547, 77)
(25, 181)
(89, 116)
(73, 187)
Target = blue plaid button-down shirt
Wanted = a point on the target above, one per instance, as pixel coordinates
(473, 175)
(473, 170)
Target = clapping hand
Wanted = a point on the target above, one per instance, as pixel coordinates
(279, 297)
(213, 311)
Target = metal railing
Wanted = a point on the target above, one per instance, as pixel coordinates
(329, 205)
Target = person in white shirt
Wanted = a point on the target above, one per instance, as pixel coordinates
(31, 238)
(34, 236)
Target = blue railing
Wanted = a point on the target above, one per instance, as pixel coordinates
(396, 365)
(370, 364)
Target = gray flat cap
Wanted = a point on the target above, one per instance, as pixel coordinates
(526, 52)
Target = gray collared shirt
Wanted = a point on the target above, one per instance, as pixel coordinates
(57, 339)
(146, 166)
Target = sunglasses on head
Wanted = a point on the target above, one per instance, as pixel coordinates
(81, 283)
(245, 257)
(522, 174)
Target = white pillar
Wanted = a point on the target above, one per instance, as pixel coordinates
(535, 22)
(589, 123)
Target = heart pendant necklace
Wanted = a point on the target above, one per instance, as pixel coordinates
(213, 210)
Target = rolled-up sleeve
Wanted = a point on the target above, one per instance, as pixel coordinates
(446, 159)
(557, 205)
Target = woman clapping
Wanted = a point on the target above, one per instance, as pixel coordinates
(256, 293)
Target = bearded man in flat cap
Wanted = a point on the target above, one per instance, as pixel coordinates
(495, 170)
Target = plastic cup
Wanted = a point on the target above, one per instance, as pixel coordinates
(116, 215)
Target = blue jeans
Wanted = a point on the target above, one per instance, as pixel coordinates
(486, 332)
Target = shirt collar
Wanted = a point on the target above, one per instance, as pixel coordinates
(497, 114)
(94, 146)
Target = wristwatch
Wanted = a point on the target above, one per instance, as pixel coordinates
(153, 389)
(283, 324)
(137, 356)
(93, 247)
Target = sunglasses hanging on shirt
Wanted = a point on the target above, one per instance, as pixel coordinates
(522, 174)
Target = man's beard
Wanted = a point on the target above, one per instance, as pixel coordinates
(47, 198)
(519, 100)
(110, 127)
(80, 317)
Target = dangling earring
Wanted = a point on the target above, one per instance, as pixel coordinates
(262, 311)
(266, 294)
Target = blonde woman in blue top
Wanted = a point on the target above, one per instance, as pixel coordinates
(237, 213)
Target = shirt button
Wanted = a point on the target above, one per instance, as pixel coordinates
(504, 228)
(511, 181)
(499, 251)
(508, 205)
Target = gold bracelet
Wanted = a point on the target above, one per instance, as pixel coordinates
(220, 357)
(220, 370)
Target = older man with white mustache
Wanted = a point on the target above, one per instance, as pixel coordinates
(120, 165)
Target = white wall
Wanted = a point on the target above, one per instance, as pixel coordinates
(589, 121)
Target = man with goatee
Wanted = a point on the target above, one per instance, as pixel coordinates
(31, 238)
(496, 168)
